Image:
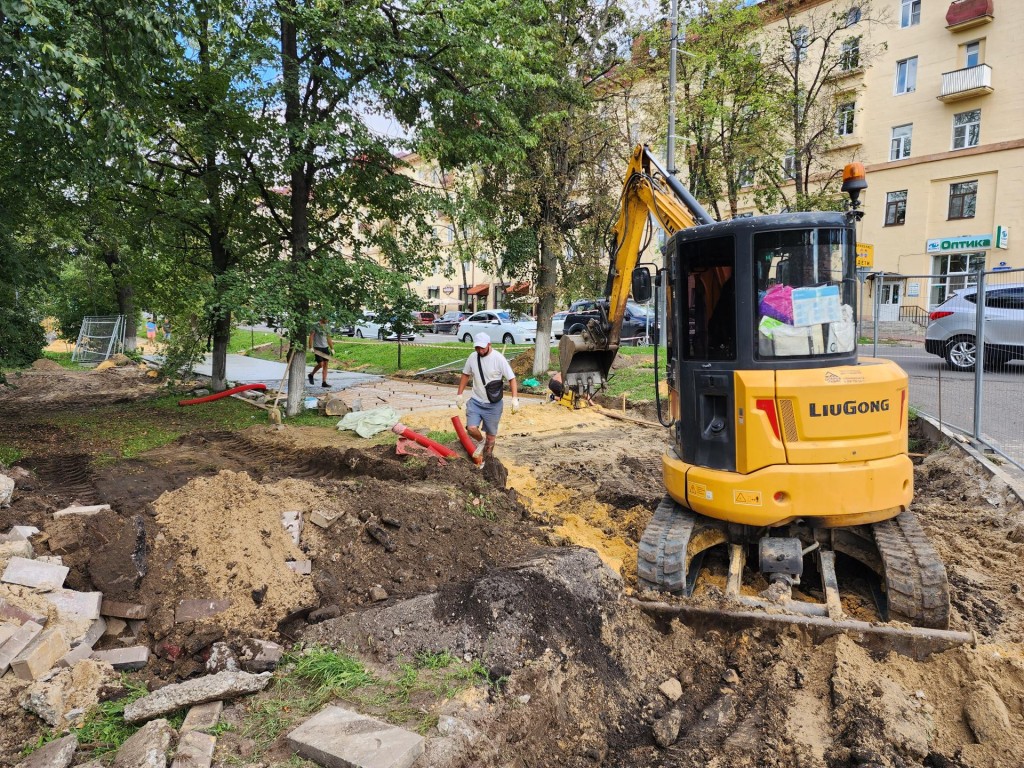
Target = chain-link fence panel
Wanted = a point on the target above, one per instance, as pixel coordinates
(99, 338)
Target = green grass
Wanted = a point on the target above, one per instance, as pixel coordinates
(442, 436)
(9, 454)
(243, 339)
(331, 671)
(62, 358)
(477, 507)
(104, 729)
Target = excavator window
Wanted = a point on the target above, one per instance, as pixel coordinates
(804, 293)
(710, 309)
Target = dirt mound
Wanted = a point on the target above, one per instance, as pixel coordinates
(35, 391)
(522, 364)
(45, 364)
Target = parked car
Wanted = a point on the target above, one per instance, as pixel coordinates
(558, 323)
(638, 326)
(501, 326)
(369, 328)
(423, 321)
(952, 326)
(449, 321)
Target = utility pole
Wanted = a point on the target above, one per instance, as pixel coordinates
(670, 154)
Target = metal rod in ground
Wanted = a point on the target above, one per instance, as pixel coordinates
(979, 351)
(876, 308)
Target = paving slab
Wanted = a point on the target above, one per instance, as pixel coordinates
(340, 738)
(147, 748)
(81, 511)
(260, 655)
(92, 634)
(300, 567)
(20, 533)
(243, 369)
(191, 610)
(124, 610)
(75, 655)
(200, 690)
(195, 750)
(29, 573)
(202, 717)
(81, 605)
(57, 754)
(124, 659)
(18, 642)
(41, 655)
(19, 614)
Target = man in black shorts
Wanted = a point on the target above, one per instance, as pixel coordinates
(322, 344)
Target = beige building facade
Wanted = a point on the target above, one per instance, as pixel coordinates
(938, 121)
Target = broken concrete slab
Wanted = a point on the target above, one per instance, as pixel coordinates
(223, 685)
(18, 642)
(221, 658)
(340, 738)
(81, 511)
(323, 518)
(300, 567)
(40, 656)
(57, 754)
(64, 697)
(92, 634)
(84, 606)
(202, 717)
(195, 750)
(124, 659)
(292, 522)
(115, 627)
(16, 548)
(191, 610)
(20, 533)
(51, 559)
(147, 748)
(29, 573)
(10, 611)
(124, 610)
(260, 655)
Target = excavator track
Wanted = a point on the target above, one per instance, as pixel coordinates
(915, 578)
(662, 561)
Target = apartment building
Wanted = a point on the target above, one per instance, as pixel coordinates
(937, 117)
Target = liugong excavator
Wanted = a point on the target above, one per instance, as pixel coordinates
(784, 446)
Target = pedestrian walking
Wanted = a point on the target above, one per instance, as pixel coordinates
(323, 346)
(488, 369)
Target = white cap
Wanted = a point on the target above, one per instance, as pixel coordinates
(482, 340)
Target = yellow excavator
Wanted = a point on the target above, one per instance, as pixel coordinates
(785, 447)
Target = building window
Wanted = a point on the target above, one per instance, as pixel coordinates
(801, 37)
(853, 16)
(899, 147)
(500, 294)
(433, 293)
(972, 54)
(967, 129)
(845, 117)
(963, 199)
(958, 270)
(895, 208)
(849, 58)
(910, 13)
(789, 165)
(746, 174)
(906, 75)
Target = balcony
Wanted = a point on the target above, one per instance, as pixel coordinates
(964, 14)
(965, 83)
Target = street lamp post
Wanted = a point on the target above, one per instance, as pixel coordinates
(670, 153)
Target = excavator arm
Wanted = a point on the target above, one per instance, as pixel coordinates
(647, 190)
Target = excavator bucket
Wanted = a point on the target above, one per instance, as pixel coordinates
(585, 363)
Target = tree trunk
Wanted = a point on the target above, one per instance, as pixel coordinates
(547, 284)
(221, 338)
(125, 297)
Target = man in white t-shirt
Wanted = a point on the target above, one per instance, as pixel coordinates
(483, 366)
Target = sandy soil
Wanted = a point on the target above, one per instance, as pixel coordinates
(529, 566)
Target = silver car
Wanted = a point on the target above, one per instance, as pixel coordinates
(952, 325)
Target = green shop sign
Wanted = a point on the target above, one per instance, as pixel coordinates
(955, 244)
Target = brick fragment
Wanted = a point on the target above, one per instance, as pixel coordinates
(41, 655)
(29, 573)
(323, 518)
(126, 659)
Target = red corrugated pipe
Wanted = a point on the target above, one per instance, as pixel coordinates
(465, 439)
(219, 395)
(404, 431)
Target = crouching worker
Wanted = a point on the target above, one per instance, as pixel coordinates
(487, 368)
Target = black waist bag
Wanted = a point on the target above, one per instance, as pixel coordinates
(495, 389)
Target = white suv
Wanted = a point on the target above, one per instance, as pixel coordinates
(952, 326)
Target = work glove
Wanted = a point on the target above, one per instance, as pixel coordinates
(515, 405)
(460, 401)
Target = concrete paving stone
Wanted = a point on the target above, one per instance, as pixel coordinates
(301, 567)
(202, 717)
(57, 754)
(292, 522)
(84, 606)
(200, 690)
(195, 750)
(6, 630)
(75, 655)
(16, 548)
(324, 519)
(135, 657)
(10, 611)
(81, 511)
(191, 610)
(29, 573)
(124, 610)
(19, 533)
(260, 655)
(41, 655)
(340, 738)
(147, 748)
(93, 634)
(18, 642)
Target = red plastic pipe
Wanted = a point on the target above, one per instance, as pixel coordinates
(465, 439)
(219, 395)
(404, 431)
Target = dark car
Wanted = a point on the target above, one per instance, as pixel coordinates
(638, 328)
(423, 321)
(449, 322)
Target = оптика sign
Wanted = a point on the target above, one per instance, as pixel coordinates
(955, 244)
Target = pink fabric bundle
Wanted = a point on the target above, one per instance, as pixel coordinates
(778, 303)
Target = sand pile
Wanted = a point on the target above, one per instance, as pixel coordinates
(226, 536)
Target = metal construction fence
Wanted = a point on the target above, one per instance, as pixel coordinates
(938, 327)
(99, 338)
